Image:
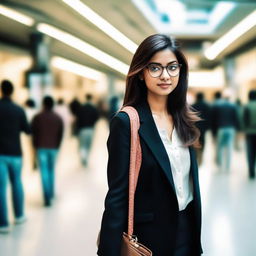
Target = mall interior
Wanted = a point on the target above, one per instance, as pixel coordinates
(71, 48)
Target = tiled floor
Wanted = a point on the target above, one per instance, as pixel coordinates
(71, 225)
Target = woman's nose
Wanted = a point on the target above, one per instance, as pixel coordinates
(165, 74)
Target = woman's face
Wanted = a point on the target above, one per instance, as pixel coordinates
(161, 84)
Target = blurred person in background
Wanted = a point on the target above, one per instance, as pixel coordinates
(113, 106)
(64, 112)
(47, 132)
(167, 207)
(103, 108)
(225, 122)
(74, 107)
(239, 139)
(87, 116)
(250, 130)
(13, 121)
(30, 109)
(203, 125)
(216, 101)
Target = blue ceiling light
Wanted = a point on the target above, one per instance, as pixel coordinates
(174, 16)
(152, 5)
(165, 18)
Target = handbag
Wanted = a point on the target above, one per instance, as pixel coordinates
(130, 245)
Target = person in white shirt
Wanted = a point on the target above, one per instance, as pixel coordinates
(167, 207)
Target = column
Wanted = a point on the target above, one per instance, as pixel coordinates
(39, 78)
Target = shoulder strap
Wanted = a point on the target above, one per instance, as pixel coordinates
(135, 162)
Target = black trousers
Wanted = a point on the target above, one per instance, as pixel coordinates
(184, 241)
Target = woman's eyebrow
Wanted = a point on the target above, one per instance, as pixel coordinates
(174, 61)
(171, 62)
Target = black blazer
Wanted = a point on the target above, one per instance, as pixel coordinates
(156, 205)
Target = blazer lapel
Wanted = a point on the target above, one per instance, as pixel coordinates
(148, 131)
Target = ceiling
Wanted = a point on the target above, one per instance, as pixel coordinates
(125, 16)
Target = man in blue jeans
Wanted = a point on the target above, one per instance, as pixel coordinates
(47, 131)
(87, 117)
(12, 122)
(226, 122)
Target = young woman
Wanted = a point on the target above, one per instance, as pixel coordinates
(167, 217)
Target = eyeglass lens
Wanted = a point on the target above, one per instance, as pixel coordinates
(156, 70)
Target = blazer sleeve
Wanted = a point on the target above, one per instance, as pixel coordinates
(114, 221)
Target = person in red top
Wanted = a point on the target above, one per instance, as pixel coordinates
(47, 131)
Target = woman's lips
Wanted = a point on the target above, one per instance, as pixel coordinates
(164, 86)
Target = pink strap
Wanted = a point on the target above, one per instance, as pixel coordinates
(135, 162)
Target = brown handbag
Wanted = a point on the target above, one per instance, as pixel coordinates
(130, 245)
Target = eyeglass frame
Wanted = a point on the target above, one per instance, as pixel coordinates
(163, 67)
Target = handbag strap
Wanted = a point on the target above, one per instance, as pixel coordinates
(135, 162)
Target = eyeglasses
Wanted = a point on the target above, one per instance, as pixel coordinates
(156, 70)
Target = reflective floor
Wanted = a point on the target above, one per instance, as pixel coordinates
(71, 225)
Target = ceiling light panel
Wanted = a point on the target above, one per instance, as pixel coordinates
(83, 47)
(237, 31)
(178, 18)
(102, 24)
(17, 16)
(73, 67)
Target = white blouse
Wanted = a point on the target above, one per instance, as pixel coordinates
(179, 158)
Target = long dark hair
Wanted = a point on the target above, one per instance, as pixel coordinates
(136, 90)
